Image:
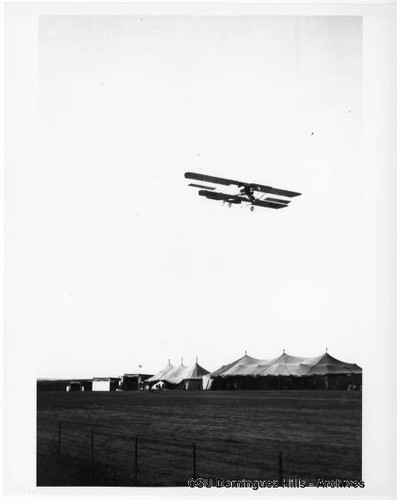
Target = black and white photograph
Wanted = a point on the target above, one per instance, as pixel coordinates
(197, 252)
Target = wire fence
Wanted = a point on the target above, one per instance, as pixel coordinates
(72, 453)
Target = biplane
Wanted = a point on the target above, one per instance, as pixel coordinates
(245, 192)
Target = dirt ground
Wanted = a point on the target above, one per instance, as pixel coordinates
(94, 438)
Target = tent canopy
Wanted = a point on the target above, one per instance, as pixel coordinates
(286, 365)
(330, 365)
(162, 373)
(197, 371)
(176, 375)
(242, 366)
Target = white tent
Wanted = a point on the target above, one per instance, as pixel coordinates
(161, 374)
(245, 365)
(193, 377)
(254, 373)
(295, 366)
(186, 377)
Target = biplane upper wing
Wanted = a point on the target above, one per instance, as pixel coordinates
(229, 182)
(210, 178)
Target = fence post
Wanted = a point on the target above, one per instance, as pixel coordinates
(59, 439)
(136, 462)
(92, 455)
(280, 469)
(194, 461)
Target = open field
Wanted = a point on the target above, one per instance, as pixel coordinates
(237, 434)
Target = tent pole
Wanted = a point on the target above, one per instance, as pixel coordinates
(194, 461)
(280, 469)
(92, 455)
(136, 462)
(59, 439)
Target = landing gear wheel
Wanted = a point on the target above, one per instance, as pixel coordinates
(252, 208)
(229, 204)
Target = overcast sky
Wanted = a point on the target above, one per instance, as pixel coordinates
(126, 265)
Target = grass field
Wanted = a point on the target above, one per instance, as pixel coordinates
(237, 434)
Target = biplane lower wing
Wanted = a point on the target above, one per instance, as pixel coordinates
(201, 186)
(278, 200)
(276, 191)
(239, 199)
(268, 204)
(230, 198)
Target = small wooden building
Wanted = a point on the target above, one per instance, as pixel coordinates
(105, 383)
(133, 381)
(51, 385)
